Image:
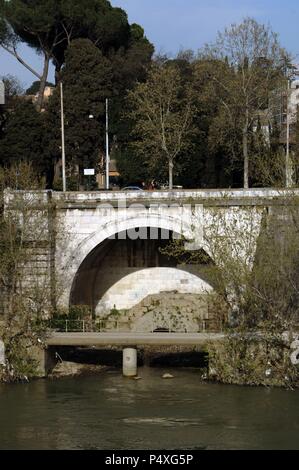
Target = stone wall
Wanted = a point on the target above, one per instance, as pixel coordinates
(172, 311)
(133, 288)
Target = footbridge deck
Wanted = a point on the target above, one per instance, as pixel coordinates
(125, 339)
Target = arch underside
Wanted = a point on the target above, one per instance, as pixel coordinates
(120, 272)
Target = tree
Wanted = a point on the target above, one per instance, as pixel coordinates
(129, 66)
(87, 82)
(23, 137)
(205, 164)
(50, 26)
(161, 109)
(252, 64)
(19, 304)
(132, 169)
(268, 157)
(13, 89)
(31, 22)
(253, 268)
(29, 284)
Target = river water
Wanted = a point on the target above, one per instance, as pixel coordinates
(108, 411)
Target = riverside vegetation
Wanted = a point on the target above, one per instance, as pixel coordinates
(28, 294)
(257, 301)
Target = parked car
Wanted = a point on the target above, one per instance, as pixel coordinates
(131, 188)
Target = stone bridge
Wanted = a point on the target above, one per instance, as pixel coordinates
(105, 249)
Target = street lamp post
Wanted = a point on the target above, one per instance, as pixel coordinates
(290, 73)
(2, 93)
(62, 139)
(107, 145)
(288, 168)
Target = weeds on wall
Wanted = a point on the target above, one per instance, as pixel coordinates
(29, 286)
(253, 265)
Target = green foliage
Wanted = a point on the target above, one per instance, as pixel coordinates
(23, 305)
(162, 111)
(69, 318)
(12, 89)
(246, 62)
(72, 183)
(23, 137)
(88, 79)
(22, 366)
(267, 166)
(74, 312)
(114, 312)
(242, 360)
(295, 153)
(255, 275)
(51, 26)
(87, 82)
(131, 166)
(218, 101)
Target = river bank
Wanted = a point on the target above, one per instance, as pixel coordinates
(235, 360)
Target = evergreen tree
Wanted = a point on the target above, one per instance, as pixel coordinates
(49, 26)
(23, 137)
(87, 82)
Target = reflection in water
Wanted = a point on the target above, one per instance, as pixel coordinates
(110, 412)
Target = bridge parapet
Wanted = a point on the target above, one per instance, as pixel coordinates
(224, 197)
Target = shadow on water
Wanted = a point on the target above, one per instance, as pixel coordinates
(113, 357)
(183, 359)
(92, 356)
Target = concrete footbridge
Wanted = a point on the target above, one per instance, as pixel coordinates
(129, 342)
(131, 339)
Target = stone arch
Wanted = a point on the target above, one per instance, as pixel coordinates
(107, 230)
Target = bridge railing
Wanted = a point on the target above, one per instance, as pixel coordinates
(124, 326)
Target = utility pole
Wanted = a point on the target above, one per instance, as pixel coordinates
(62, 139)
(107, 145)
(2, 93)
(287, 161)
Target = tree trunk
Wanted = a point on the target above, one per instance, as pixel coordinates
(170, 174)
(43, 82)
(245, 151)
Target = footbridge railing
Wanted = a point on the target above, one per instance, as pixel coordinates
(122, 326)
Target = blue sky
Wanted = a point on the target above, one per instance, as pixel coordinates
(174, 24)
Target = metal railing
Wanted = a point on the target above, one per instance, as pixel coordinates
(125, 326)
